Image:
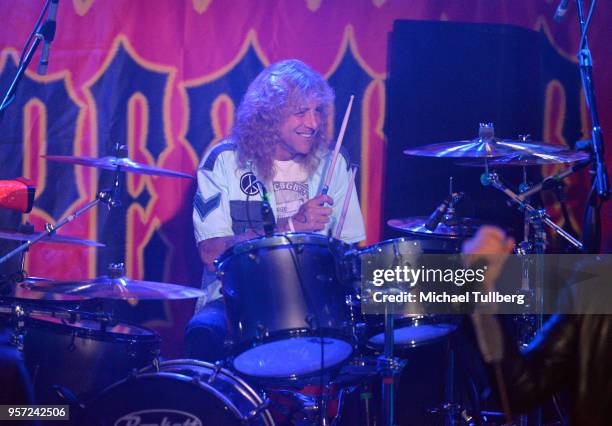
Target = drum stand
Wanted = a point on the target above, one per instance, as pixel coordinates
(533, 243)
(389, 368)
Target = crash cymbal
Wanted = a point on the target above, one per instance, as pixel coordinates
(107, 287)
(523, 160)
(53, 238)
(456, 228)
(484, 148)
(123, 164)
(486, 145)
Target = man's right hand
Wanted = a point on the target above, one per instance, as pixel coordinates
(312, 215)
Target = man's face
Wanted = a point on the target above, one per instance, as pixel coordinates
(298, 130)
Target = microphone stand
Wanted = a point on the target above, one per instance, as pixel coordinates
(42, 33)
(601, 186)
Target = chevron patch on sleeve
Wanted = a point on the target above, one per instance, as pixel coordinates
(205, 206)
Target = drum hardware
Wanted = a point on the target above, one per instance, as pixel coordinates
(389, 368)
(218, 367)
(536, 216)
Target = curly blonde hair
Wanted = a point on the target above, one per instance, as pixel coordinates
(270, 98)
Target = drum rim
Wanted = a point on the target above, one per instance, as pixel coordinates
(253, 396)
(245, 389)
(419, 242)
(276, 240)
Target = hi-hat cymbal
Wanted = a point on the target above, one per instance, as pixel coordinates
(484, 148)
(53, 238)
(524, 160)
(121, 287)
(123, 164)
(456, 228)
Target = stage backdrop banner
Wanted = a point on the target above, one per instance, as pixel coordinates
(164, 77)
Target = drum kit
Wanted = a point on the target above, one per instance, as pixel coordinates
(292, 307)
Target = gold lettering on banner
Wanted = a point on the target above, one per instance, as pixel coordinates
(201, 6)
(81, 7)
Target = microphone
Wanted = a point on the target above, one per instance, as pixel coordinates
(434, 219)
(47, 30)
(267, 216)
(561, 10)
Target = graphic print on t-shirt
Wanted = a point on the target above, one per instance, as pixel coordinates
(289, 197)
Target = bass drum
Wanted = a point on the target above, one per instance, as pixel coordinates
(179, 392)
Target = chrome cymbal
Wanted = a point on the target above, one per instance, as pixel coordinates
(53, 238)
(486, 145)
(121, 287)
(524, 160)
(123, 164)
(455, 228)
(484, 148)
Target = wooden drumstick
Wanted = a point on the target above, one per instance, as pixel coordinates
(347, 200)
(332, 165)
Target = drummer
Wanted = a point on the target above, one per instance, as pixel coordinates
(278, 151)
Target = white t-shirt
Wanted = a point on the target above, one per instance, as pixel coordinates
(290, 186)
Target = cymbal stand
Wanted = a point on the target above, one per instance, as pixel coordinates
(532, 243)
(108, 197)
(535, 215)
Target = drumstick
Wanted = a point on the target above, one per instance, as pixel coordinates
(330, 171)
(347, 200)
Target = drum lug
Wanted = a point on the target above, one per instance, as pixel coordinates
(261, 331)
(311, 321)
(256, 412)
(216, 371)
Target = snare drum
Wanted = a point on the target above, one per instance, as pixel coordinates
(179, 392)
(83, 356)
(411, 330)
(286, 306)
